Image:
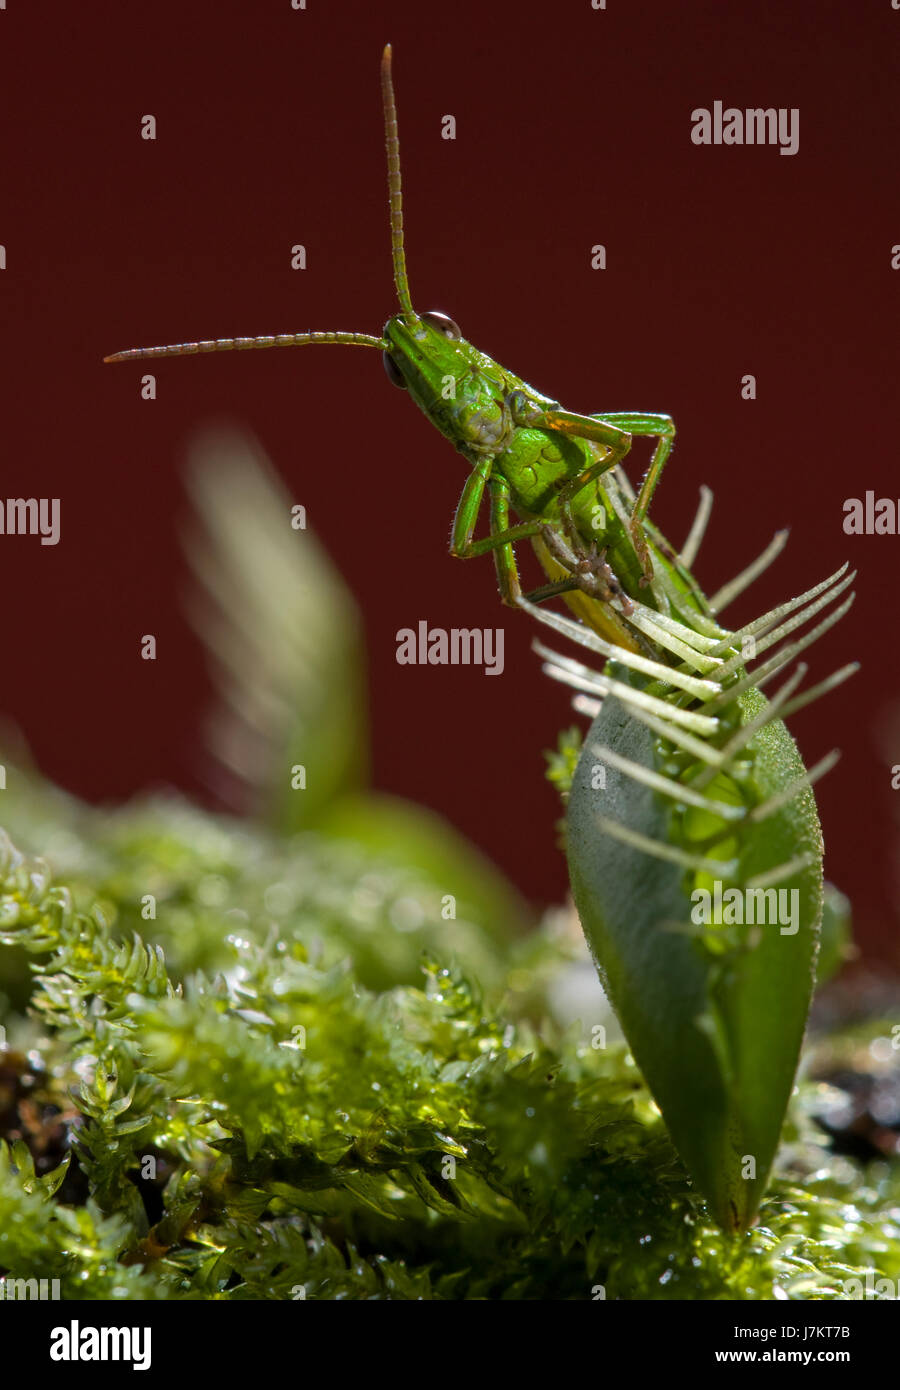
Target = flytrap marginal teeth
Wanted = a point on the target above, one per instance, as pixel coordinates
(786, 654)
(688, 553)
(584, 637)
(686, 795)
(698, 623)
(582, 704)
(783, 871)
(680, 737)
(767, 620)
(692, 647)
(770, 638)
(668, 675)
(816, 692)
(747, 731)
(736, 586)
(591, 685)
(567, 665)
(800, 784)
(724, 869)
(755, 680)
(630, 696)
(765, 633)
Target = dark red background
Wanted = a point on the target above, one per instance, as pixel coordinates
(573, 128)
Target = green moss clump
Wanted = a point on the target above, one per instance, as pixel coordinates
(229, 1112)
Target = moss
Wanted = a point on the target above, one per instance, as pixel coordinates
(226, 1111)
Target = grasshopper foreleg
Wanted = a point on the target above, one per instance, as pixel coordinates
(502, 535)
(588, 568)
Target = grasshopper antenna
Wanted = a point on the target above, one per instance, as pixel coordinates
(395, 191)
(301, 339)
(244, 344)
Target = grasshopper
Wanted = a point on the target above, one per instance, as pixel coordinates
(557, 470)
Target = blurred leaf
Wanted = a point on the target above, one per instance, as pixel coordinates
(836, 943)
(417, 838)
(283, 634)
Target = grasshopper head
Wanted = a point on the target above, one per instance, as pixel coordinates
(428, 356)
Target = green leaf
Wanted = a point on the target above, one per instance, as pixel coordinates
(836, 947)
(414, 838)
(283, 634)
(715, 1020)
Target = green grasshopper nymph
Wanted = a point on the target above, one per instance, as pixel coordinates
(689, 792)
(546, 464)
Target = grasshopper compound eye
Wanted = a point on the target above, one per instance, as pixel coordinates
(393, 371)
(443, 324)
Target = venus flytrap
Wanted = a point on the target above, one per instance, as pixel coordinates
(695, 857)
